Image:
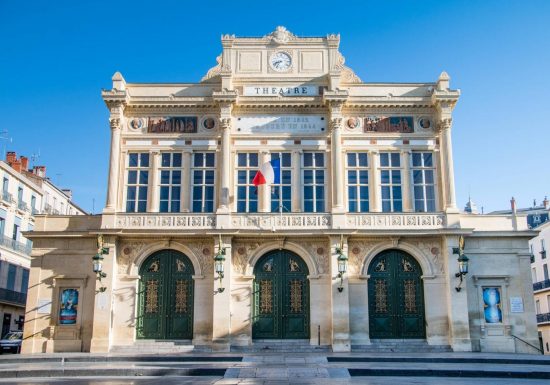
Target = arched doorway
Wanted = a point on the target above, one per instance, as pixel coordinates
(396, 299)
(166, 296)
(281, 297)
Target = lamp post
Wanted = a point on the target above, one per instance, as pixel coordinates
(97, 262)
(219, 260)
(342, 264)
(462, 262)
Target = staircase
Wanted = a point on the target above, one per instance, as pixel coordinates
(155, 347)
(400, 346)
(281, 346)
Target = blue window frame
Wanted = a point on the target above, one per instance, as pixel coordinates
(390, 182)
(358, 182)
(313, 180)
(203, 182)
(137, 182)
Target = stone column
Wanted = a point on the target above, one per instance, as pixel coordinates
(439, 185)
(264, 191)
(447, 163)
(186, 185)
(406, 182)
(154, 187)
(337, 180)
(221, 312)
(457, 302)
(375, 199)
(225, 169)
(103, 305)
(340, 301)
(296, 181)
(113, 164)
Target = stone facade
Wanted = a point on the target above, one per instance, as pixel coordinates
(269, 96)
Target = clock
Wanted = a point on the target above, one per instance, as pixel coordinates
(280, 61)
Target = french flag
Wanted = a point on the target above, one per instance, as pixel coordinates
(269, 173)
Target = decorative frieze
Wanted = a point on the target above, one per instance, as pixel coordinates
(156, 221)
(396, 221)
(281, 222)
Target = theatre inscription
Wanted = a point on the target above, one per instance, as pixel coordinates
(306, 124)
(281, 91)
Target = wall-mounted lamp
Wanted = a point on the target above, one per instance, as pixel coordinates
(342, 264)
(219, 260)
(97, 261)
(462, 262)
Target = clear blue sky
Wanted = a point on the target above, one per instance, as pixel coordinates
(56, 56)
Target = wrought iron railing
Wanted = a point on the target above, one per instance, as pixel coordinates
(7, 197)
(541, 285)
(22, 206)
(527, 343)
(13, 297)
(15, 245)
(543, 318)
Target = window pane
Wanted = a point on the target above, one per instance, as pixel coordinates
(130, 206)
(363, 159)
(320, 207)
(165, 177)
(308, 159)
(397, 207)
(320, 177)
(308, 176)
(143, 177)
(430, 192)
(418, 192)
(364, 206)
(286, 177)
(308, 206)
(176, 177)
(142, 193)
(417, 159)
(352, 193)
(197, 193)
(132, 160)
(417, 176)
(319, 159)
(396, 192)
(253, 207)
(209, 193)
(241, 192)
(142, 207)
(164, 192)
(351, 160)
(241, 160)
(131, 193)
(197, 177)
(208, 206)
(241, 177)
(132, 177)
(308, 192)
(197, 207)
(386, 206)
(144, 160)
(352, 206)
(287, 160)
(175, 207)
(176, 160)
(396, 177)
(429, 175)
(210, 159)
(209, 177)
(176, 192)
(419, 205)
(428, 162)
(384, 159)
(199, 159)
(431, 205)
(385, 192)
(163, 206)
(320, 192)
(385, 176)
(253, 160)
(165, 159)
(363, 177)
(352, 177)
(395, 159)
(241, 206)
(287, 191)
(364, 192)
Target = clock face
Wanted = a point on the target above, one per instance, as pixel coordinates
(280, 61)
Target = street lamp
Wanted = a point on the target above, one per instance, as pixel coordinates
(219, 260)
(97, 261)
(342, 264)
(462, 262)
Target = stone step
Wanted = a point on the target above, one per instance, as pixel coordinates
(400, 348)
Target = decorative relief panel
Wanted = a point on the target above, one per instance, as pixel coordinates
(431, 248)
(127, 253)
(358, 251)
(396, 221)
(152, 221)
(319, 251)
(203, 251)
(283, 222)
(242, 252)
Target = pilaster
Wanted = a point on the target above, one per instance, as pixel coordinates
(264, 191)
(153, 201)
(296, 181)
(375, 200)
(185, 193)
(340, 300)
(115, 124)
(406, 182)
(221, 311)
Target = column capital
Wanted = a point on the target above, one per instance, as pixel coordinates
(335, 124)
(445, 124)
(225, 123)
(114, 123)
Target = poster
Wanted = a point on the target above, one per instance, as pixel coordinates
(69, 307)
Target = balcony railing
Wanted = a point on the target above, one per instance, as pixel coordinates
(166, 221)
(15, 245)
(7, 197)
(13, 297)
(541, 285)
(22, 206)
(532, 258)
(34, 211)
(543, 318)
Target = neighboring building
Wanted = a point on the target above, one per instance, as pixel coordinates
(21, 199)
(366, 172)
(541, 282)
(535, 215)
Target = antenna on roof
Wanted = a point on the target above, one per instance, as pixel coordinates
(34, 158)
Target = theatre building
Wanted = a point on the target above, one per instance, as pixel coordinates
(358, 242)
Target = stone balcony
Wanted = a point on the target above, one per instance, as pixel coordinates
(280, 222)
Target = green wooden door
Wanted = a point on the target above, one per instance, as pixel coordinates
(281, 297)
(396, 300)
(166, 297)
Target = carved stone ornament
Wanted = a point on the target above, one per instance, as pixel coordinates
(359, 251)
(208, 123)
(314, 249)
(425, 123)
(225, 123)
(115, 123)
(445, 124)
(353, 123)
(335, 123)
(130, 251)
(205, 259)
(214, 71)
(431, 248)
(348, 76)
(242, 253)
(137, 124)
(280, 36)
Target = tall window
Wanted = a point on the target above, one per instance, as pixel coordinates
(204, 171)
(20, 195)
(12, 270)
(542, 249)
(138, 179)
(5, 185)
(313, 172)
(545, 271)
(358, 182)
(281, 194)
(16, 228)
(33, 204)
(247, 196)
(390, 180)
(423, 180)
(170, 182)
(3, 215)
(25, 281)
